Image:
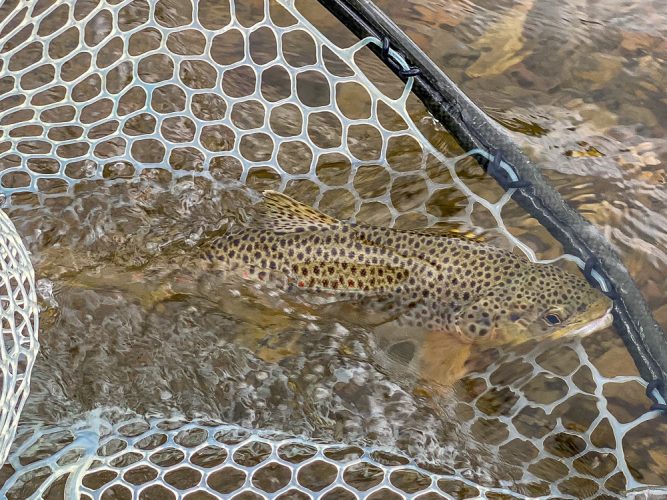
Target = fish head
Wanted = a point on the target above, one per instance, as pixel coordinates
(540, 301)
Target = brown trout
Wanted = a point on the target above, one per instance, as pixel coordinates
(437, 282)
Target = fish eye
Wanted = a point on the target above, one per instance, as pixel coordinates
(552, 319)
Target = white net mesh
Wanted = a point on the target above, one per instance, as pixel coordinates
(18, 343)
(253, 94)
(161, 458)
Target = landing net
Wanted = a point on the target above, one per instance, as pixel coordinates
(268, 94)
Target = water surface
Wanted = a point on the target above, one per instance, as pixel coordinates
(125, 323)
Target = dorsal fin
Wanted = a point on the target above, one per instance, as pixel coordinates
(280, 213)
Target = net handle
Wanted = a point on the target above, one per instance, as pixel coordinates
(473, 129)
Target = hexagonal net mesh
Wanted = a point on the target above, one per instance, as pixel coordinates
(253, 93)
(155, 458)
(18, 342)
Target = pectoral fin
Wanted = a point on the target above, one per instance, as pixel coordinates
(436, 357)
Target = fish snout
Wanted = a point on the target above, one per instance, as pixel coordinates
(599, 322)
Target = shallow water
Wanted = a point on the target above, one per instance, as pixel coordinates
(112, 336)
(126, 323)
(580, 83)
(124, 326)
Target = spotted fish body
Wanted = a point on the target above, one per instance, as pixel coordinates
(439, 282)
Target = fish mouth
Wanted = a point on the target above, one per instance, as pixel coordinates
(600, 323)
